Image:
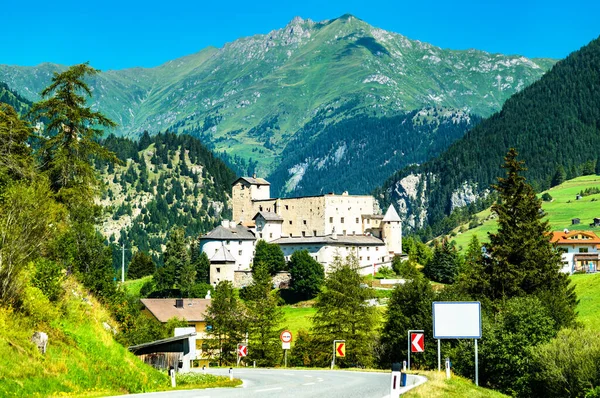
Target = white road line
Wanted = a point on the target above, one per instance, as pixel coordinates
(270, 389)
(308, 384)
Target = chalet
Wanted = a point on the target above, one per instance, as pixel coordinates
(191, 310)
(580, 250)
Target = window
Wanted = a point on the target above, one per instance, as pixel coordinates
(304, 222)
(227, 242)
(290, 222)
(368, 258)
(344, 232)
(260, 208)
(216, 250)
(218, 269)
(360, 258)
(357, 220)
(368, 221)
(330, 219)
(270, 234)
(286, 207)
(239, 252)
(260, 235)
(342, 220)
(377, 249)
(240, 242)
(304, 234)
(367, 248)
(314, 232)
(583, 250)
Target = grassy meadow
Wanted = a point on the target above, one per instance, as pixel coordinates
(563, 208)
(456, 387)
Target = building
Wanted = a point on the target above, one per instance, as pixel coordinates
(325, 225)
(580, 250)
(191, 310)
(175, 352)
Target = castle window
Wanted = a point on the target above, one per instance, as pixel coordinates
(270, 234)
(368, 258)
(290, 222)
(239, 252)
(240, 242)
(342, 220)
(377, 249)
(344, 232)
(331, 219)
(315, 232)
(304, 234)
(360, 258)
(218, 269)
(367, 248)
(304, 222)
(368, 221)
(260, 208)
(286, 207)
(227, 242)
(357, 220)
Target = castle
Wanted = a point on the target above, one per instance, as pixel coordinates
(326, 225)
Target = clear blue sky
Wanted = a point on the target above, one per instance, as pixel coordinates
(115, 34)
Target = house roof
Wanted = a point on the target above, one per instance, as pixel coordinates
(135, 348)
(194, 309)
(268, 216)
(355, 240)
(391, 215)
(575, 237)
(238, 233)
(222, 256)
(253, 181)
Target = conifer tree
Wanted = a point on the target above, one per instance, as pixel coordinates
(264, 317)
(520, 259)
(444, 265)
(344, 313)
(226, 323)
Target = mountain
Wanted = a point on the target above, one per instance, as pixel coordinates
(166, 181)
(12, 98)
(256, 93)
(554, 122)
(362, 161)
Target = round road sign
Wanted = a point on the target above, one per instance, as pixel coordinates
(285, 336)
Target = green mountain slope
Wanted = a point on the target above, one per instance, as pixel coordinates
(10, 97)
(555, 121)
(325, 148)
(167, 181)
(256, 92)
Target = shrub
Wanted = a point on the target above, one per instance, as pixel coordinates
(48, 277)
(546, 197)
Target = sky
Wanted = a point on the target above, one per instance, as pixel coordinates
(122, 34)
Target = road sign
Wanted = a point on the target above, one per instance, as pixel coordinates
(285, 346)
(340, 349)
(242, 350)
(286, 336)
(417, 342)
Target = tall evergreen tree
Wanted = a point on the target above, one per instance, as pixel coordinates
(73, 130)
(344, 313)
(226, 323)
(559, 177)
(444, 265)
(521, 260)
(265, 318)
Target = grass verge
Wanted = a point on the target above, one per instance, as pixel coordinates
(457, 387)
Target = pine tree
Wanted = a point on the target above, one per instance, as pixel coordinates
(226, 323)
(141, 265)
(520, 259)
(265, 318)
(344, 313)
(559, 177)
(73, 129)
(444, 265)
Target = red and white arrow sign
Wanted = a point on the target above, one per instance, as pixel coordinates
(242, 350)
(417, 342)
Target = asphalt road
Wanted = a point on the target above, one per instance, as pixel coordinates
(293, 383)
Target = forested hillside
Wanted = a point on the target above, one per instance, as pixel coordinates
(10, 97)
(554, 122)
(165, 181)
(357, 153)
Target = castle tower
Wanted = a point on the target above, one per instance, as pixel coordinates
(391, 233)
(245, 190)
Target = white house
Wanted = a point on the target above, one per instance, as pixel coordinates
(580, 250)
(232, 240)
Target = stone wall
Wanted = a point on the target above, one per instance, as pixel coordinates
(244, 278)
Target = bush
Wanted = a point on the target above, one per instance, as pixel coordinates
(48, 277)
(385, 272)
(307, 275)
(405, 269)
(147, 288)
(546, 197)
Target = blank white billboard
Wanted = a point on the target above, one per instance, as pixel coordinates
(456, 320)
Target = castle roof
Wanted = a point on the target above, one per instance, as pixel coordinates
(221, 233)
(354, 240)
(268, 216)
(391, 215)
(222, 256)
(253, 181)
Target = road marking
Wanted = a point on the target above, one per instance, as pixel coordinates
(270, 389)
(308, 384)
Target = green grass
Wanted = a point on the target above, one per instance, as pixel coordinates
(456, 387)
(298, 318)
(560, 211)
(83, 359)
(587, 288)
(134, 286)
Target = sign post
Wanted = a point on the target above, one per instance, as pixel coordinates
(457, 320)
(416, 342)
(242, 352)
(286, 339)
(339, 350)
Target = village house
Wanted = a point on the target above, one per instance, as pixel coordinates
(192, 310)
(580, 250)
(326, 225)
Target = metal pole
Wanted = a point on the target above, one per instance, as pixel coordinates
(333, 360)
(285, 358)
(476, 367)
(123, 264)
(439, 356)
(409, 350)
